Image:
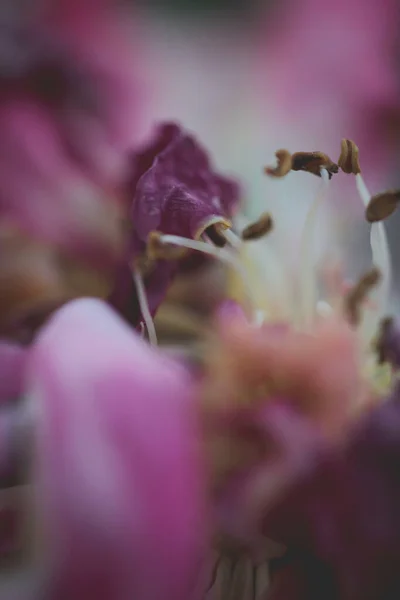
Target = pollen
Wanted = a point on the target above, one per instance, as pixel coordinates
(348, 159)
(382, 206)
(313, 162)
(259, 229)
(284, 165)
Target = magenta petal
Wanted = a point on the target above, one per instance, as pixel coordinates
(120, 482)
(175, 187)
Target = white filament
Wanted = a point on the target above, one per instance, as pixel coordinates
(223, 254)
(308, 295)
(258, 319)
(232, 238)
(380, 249)
(144, 307)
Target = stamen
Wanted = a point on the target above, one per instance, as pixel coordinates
(313, 162)
(231, 237)
(259, 229)
(359, 293)
(157, 249)
(307, 268)
(220, 253)
(324, 309)
(141, 329)
(382, 206)
(348, 159)
(144, 307)
(381, 343)
(259, 318)
(284, 164)
(379, 247)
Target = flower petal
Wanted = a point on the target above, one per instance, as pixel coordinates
(120, 484)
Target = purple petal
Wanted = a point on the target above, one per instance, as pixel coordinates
(175, 188)
(120, 484)
(175, 191)
(67, 105)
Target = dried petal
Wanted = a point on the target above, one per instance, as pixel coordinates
(259, 229)
(174, 191)
(382, 206)
(284, 164)
(348, 159)
(313, 162)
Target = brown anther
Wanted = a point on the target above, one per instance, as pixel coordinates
(157, 249)
(284, 164)
(348, 159)
(257, 230)
(382, 206)
(384, 328)
(359, 293)
(313, 162)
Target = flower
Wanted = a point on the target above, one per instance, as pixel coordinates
(119, 482)
(287, 389)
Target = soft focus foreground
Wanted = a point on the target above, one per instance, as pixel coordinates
(195, 402)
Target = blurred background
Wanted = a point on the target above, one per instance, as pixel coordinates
(251, 77)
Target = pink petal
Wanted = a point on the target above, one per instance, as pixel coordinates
(120, 485)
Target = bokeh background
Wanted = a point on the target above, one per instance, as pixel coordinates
(251, 77)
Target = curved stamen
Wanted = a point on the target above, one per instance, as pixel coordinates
(308, 283)
(223, 254)
(232, 239)
(144, 307)
(379, 247)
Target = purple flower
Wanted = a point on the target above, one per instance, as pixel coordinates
(120, 487)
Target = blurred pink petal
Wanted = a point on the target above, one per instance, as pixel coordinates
(100, 39)
(68, 112)
(120, 485)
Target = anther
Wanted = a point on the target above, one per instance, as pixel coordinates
(313, 162)
(382, 206)
(259, 229)
(158, 249)
(359, 293)
(284, 164)
(348, 159)
(385, 328)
